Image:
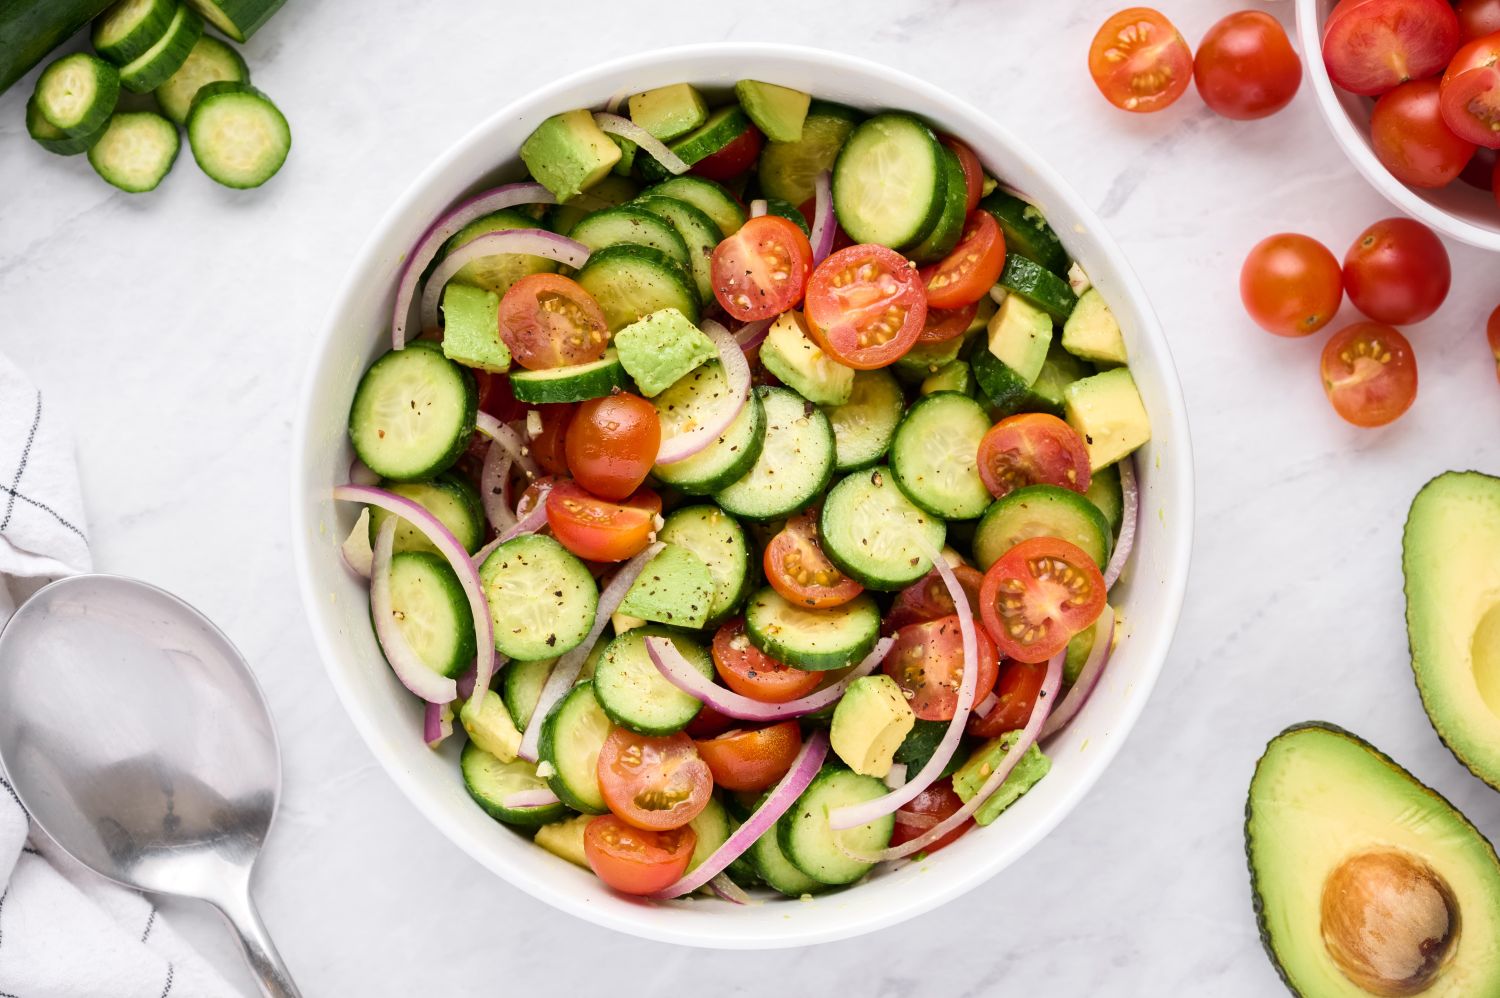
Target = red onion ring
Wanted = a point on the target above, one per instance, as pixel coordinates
(685, 677)
(1088, 676)
(1130, 512)
(530, 242)
(528, 524)
(737, 374)
(728, 890)
(758, 207)
(751, 334)
(780, 800)
(538, 797)
(437, 724)
(507, 437)
(493, 476)
(356, 547)
(824, 225)
(443, 228)
(613, 124)
(408, 666)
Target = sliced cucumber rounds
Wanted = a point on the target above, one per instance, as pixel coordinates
(889, 181)
(935, 455)
(727, 459)
(135, 151)
(874, 534)
(210, 61)
(414, 409)
(635, 694)
(152, 67)
(812, 639)
(1042, 511)
(77, 94)
(130, 27)
(432, 611)
(795, 462)
(490, 781)
(237, 135)
(542, 598)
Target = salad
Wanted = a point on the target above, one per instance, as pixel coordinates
(748, 484)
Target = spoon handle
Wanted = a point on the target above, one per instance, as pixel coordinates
(260, 953)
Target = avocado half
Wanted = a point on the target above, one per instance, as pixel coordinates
(1450, 554)
(1365, 881)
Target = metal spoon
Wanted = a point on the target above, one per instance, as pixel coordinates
(136, 736)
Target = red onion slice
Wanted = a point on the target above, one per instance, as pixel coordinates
(440, 231)
(565, 672)
(751, 334)
(613, 124)
(785, 794)
(538, 797)
(493, 476)
(685, 677)
(1130, 512)
(507, 437)
(437, 724)
(533, 521)
(1088, 676)
(408, 666)
(356, 547)
(728, 890)
(531, 242)
(447, 545)
(737, 373)
(823, 224)
(896, 778)
(986, 705)
(362, 474)
(854, 815)
(758, 207)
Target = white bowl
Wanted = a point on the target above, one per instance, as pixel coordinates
(390, 719)
(1464, 212)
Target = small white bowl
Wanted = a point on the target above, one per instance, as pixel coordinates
(1459, 210)
(357, 331)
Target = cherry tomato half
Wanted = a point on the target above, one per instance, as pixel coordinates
(549, 321)
(1477, 18)
(655, 783)
(967, 274)
(1397, 272)
(866, 306)
(1034, 448)
(1246, 67)
(1371, 46)
(549, 448)
(944, 324)
(973, 170)
(752, 760)
(1411, 139)
(927, 662)
(599, 530)
(1369, 373)
(928, 809)
(1015, 697)
(1492, 333)
(1140, 61)
(1470, 92)
(1291, 284)
(737, 156)
(634, 861)
(928, 598)
(761, 270)
(752, 673)
(612, 444)
(797, 568)
(1038, 595)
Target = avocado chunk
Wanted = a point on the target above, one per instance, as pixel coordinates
(565, 838)
(954, 376)
(1450, 555)
(669, 112)
(660, 349)
(790, 354)
(674, 588)
(1107, 411)
(971, 776)
(568, 153)
(1020, 334)
(471, 329)
(1366, 882)
(489, 726)
(870, 723)
(777, 111)
(1091, 331)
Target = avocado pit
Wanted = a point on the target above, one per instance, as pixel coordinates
(1390, 922)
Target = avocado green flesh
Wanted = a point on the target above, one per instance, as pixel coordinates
(1451, 560)
(1320, 796)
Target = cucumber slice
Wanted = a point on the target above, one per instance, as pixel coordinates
(523, 688)
(626, 225)
(135, 151)
(239, 19)
(727, 459)
(699, 233)
(888, 183)
(873, 533)
(77, 94)
(1039, 286)
(571, 737)
(815, 640)
(635, 694)
(790, 212)
(449, 497)
(719, 541)
(489, 781)
(1042, 511)
(722, 127)
(630, 282)
(818, 850)
(51, 138)
(498, 272)
(1059, 370)
(711, 198)
(1026, 231)
(1104, 492)
(542, 599)
(1005, 390)
(787, 170)
(574, 383)
(795, 462)
(130, 27)
(210, 61)
(609, 192)
(950, 224)
(432, 611)
(237, 135)
(413, 412)
(712, 828)
(772, 866)
(864, 426)
(934, 457)
(152, 67)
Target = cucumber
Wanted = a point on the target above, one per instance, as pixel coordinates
(722, 127)
(1059, 370)
(709, 197)
(130, 27)
(864, 426)
(712, 828)
(432, 611)
(1042, 511)
(498, 272)
(573, 383)
(571, 737)
(239, 19)
(815, 640)
(77, 94)
(135, 151)
(1104, 492)
(238, 137)
(449, 497)
(790, 212)
(542, 599)
(795, 462)
(787, 170)
(53, 140)
(920, 744)
(1026, 231)
(210, 61)
(719, 541)
(699, 233)
(634, 693)
(950, 224)
(154, 66)
(489, 781)
(889, 181)
(630, 282)
(30, 30)
(727, 459)
(610, 192)
(818, 850)
(413, 412)
(1039, 286)
(934, 457)
(772, 866)
(873, 533)
(627, 225)
(1006, 391)
(523, 688)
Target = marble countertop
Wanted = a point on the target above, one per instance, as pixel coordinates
(174, 328)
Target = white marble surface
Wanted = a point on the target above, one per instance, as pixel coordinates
(174, 329)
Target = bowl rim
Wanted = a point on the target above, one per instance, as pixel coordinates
(855, 920)
(1358, 151)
